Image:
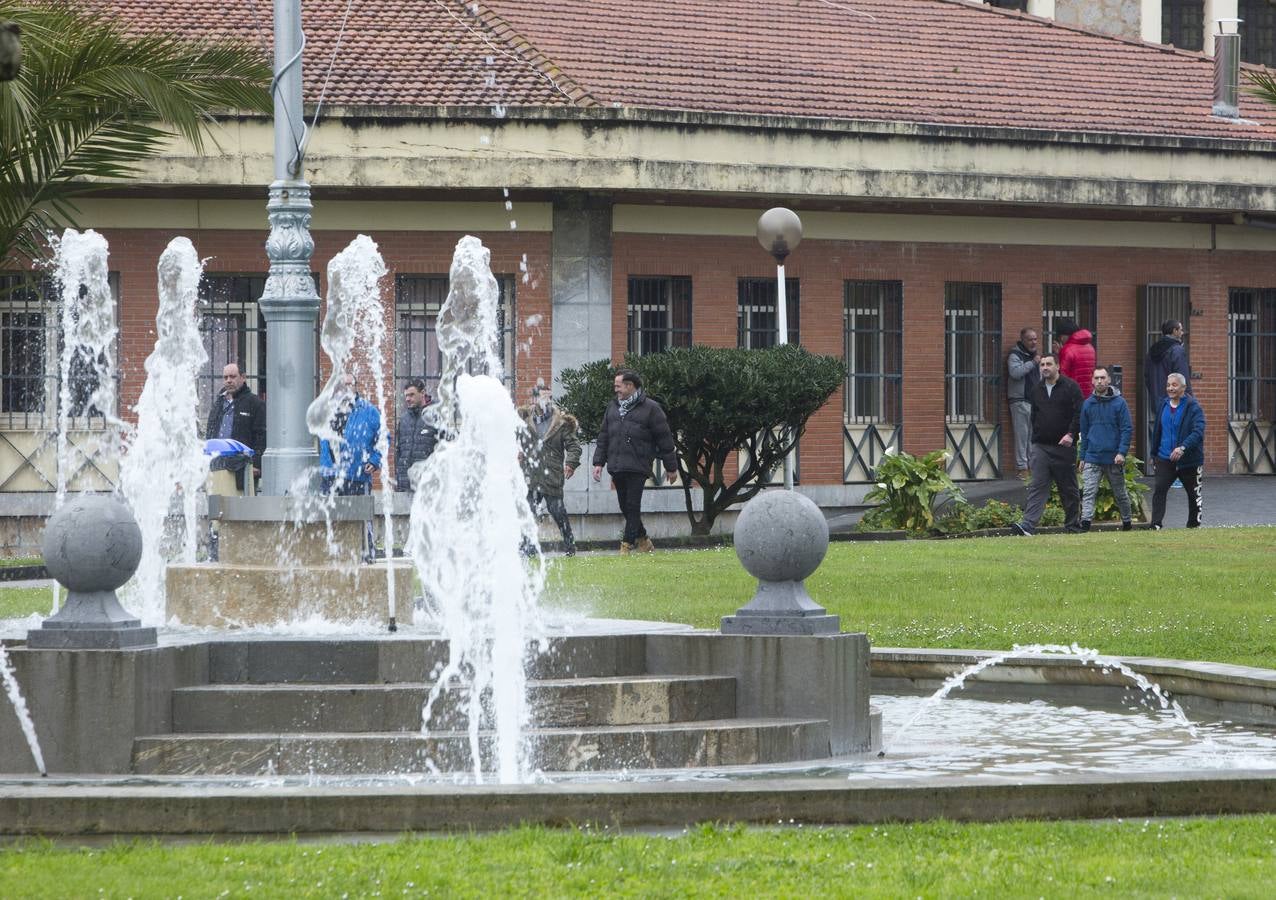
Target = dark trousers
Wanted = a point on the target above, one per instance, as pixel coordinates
(1166, 472)
(558, 512)
(1052, 464)
(629, 487)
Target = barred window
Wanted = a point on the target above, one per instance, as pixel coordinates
(1251, 316)
(418, 299)
(1079, 302)
(1258, 31)
(233, 331)
(659, 313)
(30, 356)
(756, 320)
(873, 332)
(1021, 5)
(1183, 23)
(972, 351)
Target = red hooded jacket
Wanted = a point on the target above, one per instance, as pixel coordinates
(1076, 360)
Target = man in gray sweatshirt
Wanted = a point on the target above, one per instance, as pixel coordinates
(1022, 369)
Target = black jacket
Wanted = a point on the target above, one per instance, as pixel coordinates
(414, 440)
(1166, 355)
(1057, 413)
(630, 443)
(249, 427)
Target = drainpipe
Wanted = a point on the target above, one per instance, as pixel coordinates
(1227, 69)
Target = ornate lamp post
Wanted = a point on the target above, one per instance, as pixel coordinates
(289, 303)
(779, 233)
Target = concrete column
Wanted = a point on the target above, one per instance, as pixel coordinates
(1215, 10)
(1150, 21)
(1043, 8)
(580, 295)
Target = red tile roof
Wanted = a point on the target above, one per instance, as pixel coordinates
(925, 61)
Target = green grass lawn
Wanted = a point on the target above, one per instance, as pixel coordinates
(22, 601)
(1185, 858)
(1204, 594)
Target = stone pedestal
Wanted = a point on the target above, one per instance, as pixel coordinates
(282, 562)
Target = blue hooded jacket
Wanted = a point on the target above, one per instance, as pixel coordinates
(1106, 428)
(1191, 432)
(359, 444)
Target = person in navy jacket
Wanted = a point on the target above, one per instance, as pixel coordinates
(1106, 429)
(1178, 445)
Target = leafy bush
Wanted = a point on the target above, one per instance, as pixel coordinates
(1105, 507)
(909, 491)
(719, 401)
(994, 514)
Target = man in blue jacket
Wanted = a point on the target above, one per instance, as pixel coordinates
(1178, 443)
(358, 423)
(1106, 429)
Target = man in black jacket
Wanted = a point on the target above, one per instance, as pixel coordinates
(414, 436)
(634, 432)
(1165, 356)
(1056, 419)
(240, 415)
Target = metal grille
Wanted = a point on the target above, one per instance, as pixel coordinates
(418, 299)
(1183, 23)
(972, 379)
(1079, 302)
(234, 331)
(659, 313)
(1021, 5)
(756, 320)
(1258, 32)
(873, 349)
(30, 351)
(1251, 379)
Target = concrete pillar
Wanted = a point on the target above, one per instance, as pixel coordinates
(581, 293)
(1215, 10)
(1150, 21)
(1043, 8)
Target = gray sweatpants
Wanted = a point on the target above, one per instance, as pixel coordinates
(1021, 420)
(1115, 474)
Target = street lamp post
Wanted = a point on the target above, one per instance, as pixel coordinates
(289, 302)
(779, 233)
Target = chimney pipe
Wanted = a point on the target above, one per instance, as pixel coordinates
(1227, 69)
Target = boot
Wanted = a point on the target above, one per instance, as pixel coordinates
(625, 547)
(645, 545)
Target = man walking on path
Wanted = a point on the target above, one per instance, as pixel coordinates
(1076, 354)
(1056, 417)
(551, 455)
(1022, 369)
(1165, 356)
(414, 436)
(634, 432)
(1178, 444)
(1106, 429)
(348, 469)
(237, 413)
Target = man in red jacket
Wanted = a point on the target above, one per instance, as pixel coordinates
(1076, 354)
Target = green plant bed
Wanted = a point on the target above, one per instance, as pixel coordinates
(1179, 857)
(20, 602)
(10, 562)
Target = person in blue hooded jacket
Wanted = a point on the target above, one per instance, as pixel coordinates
(1178, 444)
(1106, 429)
(357, 460)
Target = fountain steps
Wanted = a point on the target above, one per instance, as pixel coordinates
(726, 742)
(304, 708)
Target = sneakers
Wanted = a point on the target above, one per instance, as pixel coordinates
(1020, 530)
(1085, 524)
(1127, 525)
(645, 545)
(1156, 526)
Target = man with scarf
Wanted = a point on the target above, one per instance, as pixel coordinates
(551, 455)
(634, 432)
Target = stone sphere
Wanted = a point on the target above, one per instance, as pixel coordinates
(92, 543)
(781, 536)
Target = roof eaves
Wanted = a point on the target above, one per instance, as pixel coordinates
(530, 53)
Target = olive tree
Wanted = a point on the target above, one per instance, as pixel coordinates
(720, 401)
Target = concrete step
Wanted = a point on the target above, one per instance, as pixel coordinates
(730, 742)
(380, 661)
(274, 708)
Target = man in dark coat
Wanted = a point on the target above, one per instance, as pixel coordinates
(551, 455)
(237, 413)
(1178, 445)
(1165, 356)
(1056, 418)
(634, 432)
(414, 436)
